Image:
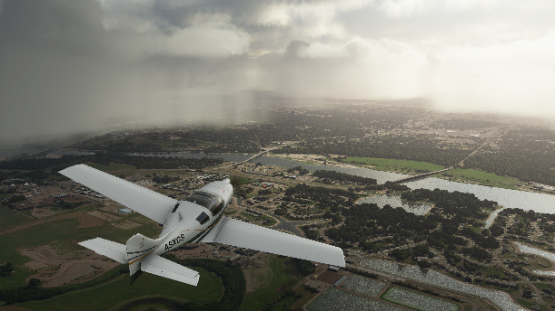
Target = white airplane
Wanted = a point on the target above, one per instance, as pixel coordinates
(198, 218)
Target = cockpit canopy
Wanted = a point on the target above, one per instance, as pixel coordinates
(212, 202)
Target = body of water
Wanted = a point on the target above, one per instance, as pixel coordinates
(395, 201)
(538, 202)
(540, 252)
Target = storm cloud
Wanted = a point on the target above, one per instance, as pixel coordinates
(68, 65)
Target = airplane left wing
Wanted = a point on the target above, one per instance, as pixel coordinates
(241, 234)
(152, 204)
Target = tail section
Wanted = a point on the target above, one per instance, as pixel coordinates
(138, 247)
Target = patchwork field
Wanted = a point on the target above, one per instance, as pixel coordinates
(334, 299)
(10, 218)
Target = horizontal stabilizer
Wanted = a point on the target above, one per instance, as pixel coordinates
(241, 234)
(165, 268)
(152, 204)
(107, 248)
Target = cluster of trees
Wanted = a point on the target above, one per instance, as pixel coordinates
(232, 278)
(143, 162)
(364, 220)
(68, 205)
(344, 177)
(526, 154)
(418, 250)
(447, 240)
(325, 197)
(300, 169)
(164, 179)
(6, 269)
(483, 240)
(264, 191)
(415, 147)
(477, 252)
(363, 273)
(16, 198)
(286, 294)
(305, 267)
(459, 203)
(33, 292)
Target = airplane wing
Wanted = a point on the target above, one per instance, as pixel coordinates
(165, 268)
(107, 248)
(241, 234)
(152, 204)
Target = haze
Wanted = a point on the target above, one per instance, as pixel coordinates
(77, 65)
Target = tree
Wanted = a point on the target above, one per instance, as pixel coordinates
(34, 282)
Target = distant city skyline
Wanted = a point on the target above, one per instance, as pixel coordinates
(70, 65)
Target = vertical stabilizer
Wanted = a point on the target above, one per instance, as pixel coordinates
(139, 247)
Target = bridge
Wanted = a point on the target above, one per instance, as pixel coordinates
(413, 177)
(251, 158)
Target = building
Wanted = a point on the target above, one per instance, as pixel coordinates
(125, 211)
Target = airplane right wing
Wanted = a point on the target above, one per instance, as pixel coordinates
(165, 268)
(241, 234)
(152, 204)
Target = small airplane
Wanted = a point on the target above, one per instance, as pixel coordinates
(198, 218)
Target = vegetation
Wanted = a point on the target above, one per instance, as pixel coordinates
(280, 278)
(344, 177)
(401, 166)
(141, 162)
(452, 203)
(420, 148)
(523, 153)
(480, 177)
(305, 267)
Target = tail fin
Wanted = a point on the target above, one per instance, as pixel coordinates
(138, 247)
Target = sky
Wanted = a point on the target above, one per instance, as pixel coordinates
(77, 65)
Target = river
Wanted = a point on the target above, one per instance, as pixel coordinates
(538, 202)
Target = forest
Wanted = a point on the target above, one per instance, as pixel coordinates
(140, 162)
(414, 147)
(527, 154)
(451, 203)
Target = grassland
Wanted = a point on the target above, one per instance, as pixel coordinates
(256, 300)
(9, 218)
(391, 165)
(480, 177)
(63, 232)
(236, 181)
(110, 294)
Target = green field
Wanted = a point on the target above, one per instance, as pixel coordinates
(112, 167)
(9, 218)
(391, 165)
(236, 181)
(110, 294)
(481, 177)
(256, 300)
(65, 234)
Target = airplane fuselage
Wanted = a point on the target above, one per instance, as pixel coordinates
(207, 207)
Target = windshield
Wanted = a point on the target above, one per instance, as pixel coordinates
(212, 202)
